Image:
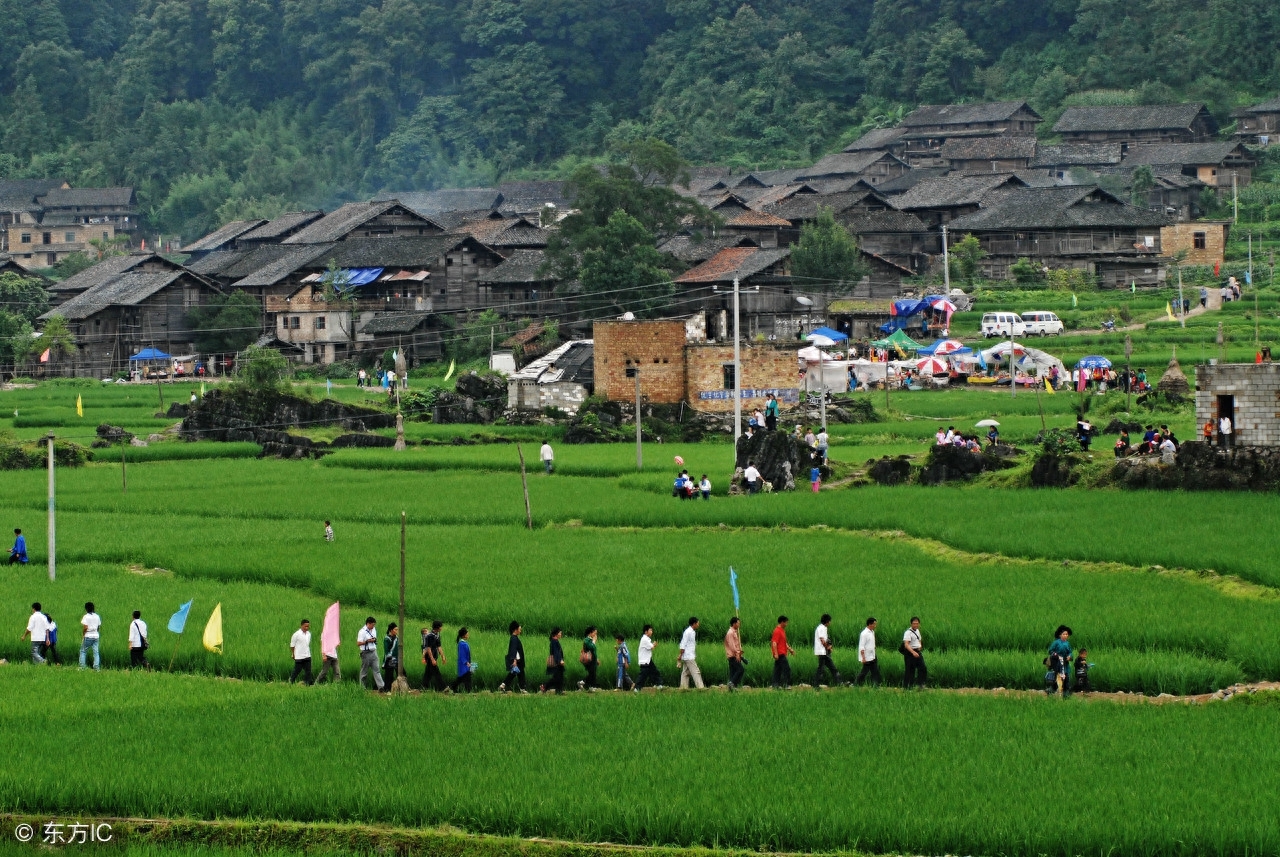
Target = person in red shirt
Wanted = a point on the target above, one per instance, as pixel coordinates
(779, 648)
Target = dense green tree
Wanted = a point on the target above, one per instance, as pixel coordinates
(227, 323)
(826, 257)
(622, 271)
(965, 256)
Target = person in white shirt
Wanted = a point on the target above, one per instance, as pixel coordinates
(824, 441)
(1168, 451)
(37, 630)
(138, 644)
(913, 655)
(822, 649)
(688, 655)
(705, 487)
(300, 646)
(752, 476)
(648, 669)
(940, 438)
(91, 624)
(867, 653)
(367, 642)
(547, 456)
(1224, 432)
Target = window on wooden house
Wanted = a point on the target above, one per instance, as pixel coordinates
(69, 237)
(295, 322)
(25, 238)
(320, 322)
(1198, 240)
(47, 238)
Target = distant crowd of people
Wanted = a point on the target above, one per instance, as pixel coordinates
(382, 672)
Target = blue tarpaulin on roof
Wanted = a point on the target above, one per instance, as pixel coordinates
(361, 276)
(911, 306)
(150, 354)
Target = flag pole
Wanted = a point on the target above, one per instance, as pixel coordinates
(175, 652)
(401, 684)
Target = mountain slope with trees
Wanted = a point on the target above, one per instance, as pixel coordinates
(219, 109)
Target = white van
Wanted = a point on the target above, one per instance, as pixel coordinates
(1002, 324)
(1042, 323)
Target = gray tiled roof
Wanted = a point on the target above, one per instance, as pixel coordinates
(1269, 106)
(805, 206)
(883, 222)
(689, 251)
(1077, 155)
(950, 191)
(1001, 147)
(1182, 153)
(909, 179)
(271, 263)
(336, 225)
(963, 114)
(225, 235)
(282, 226)
(394, 322)
(842, 164)
(878, 138)
(455, 199)
(1133, 118)
(126, 289)
(417, 251)
(21, 194)
(119, 197)
(521, 266)
(99, 273)
(1080, 207)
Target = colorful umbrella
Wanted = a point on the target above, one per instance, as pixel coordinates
(932, 366)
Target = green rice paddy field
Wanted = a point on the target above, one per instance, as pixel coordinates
(1172, 593)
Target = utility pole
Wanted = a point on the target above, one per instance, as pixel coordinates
(737, 376)
(1181, 304)
(946, 262)
(1013, 369)
(53, 542)
(1235, 199)
(639, 433)
(1128, 385)
(401, 684)
(1250, 258)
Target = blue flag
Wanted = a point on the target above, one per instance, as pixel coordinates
(1248, 278)
(733, 584)
(178, 620)
(328, 386)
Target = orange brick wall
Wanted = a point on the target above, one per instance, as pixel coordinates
(1181, 236)
(657, 347)
(764, 369)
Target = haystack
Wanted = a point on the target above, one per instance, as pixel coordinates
(1173, 382)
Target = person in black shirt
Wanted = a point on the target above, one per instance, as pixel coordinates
(432, 657)
(555, 665)
(515, 661)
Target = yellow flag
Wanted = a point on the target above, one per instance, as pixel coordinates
(1048, 388)
(213, 631)
(79, 406)
(449, 374)
(1168, 309)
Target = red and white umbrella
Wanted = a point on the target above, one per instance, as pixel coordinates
(932, 366)
(1002, 350)
(944, 305)
(947, 346)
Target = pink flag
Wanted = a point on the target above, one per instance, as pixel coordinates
(329, 635)
(44, 358)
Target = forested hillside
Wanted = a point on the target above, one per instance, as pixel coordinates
(216, 109)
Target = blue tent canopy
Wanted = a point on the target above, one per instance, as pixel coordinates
(151, 354)
(1093, 361)
(833, 335)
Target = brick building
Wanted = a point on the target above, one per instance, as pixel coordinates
(1204, 240)
(675, 366)
(1248, 393)
(656, 347)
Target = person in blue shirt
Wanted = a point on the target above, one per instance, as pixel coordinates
(1060, 659)
(18, 553)
(465, 667)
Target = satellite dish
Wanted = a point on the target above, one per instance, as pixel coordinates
(803, 301)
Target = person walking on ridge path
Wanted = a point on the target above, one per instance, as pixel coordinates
(367, 643)
(300, 648)
(913, 656)
(822, 648)
(780, 649)
(733, 653)
(867, 653)
(514, 661)
(689, 656)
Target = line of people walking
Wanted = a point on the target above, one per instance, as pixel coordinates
(516, 669)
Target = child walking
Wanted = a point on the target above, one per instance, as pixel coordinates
(624, 661)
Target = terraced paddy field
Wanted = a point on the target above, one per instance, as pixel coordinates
(1171, 593)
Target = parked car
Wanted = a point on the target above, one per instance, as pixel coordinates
(1002, 324)
(1042, 323)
